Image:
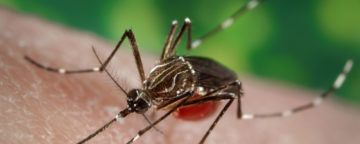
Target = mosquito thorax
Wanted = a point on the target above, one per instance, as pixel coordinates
(138, 101)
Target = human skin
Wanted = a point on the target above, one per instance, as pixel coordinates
(37, 106)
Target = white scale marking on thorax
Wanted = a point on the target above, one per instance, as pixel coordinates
(152, 85)
(174, 82)
(162, 65)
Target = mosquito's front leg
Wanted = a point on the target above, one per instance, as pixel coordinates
(128, 33)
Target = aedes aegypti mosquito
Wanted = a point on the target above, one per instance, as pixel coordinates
(187, 85)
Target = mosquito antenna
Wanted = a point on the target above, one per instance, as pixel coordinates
(120, 115)
(107, 72)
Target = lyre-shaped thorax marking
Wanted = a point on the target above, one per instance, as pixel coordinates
(171, 77)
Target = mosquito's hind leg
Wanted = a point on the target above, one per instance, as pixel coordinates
(228, 22)
(318, 100)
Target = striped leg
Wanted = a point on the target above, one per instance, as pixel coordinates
(220, 94)
(169, 40)
(228, 22)
(120, 115)
(186, 26)
(128, 33)
(318, 100)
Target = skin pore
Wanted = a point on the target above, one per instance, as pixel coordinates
(38, 106)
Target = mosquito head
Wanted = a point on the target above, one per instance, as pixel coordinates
(139, 101)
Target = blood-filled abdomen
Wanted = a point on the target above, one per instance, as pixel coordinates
(196, 111)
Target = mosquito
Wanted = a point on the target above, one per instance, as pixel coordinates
(189, 87)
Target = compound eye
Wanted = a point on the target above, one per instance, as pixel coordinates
(141, 105)
(132, 95)
(139, 101)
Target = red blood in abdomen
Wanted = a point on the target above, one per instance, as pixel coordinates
(196, 111)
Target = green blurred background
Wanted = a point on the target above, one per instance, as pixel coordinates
(304, 42)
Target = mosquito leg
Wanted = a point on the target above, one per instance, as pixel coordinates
(141, 132)
(128, 33)
(169, 40)
(97, 131)
(220, 94)
(208, 99)
(240, 93)
(136, 54)
(216, 121)
(120, 115)
(231, 98)
(228, 22)
(217, 95)
(171, 101)
(60, 70)
(186, 26)
(318, 100)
